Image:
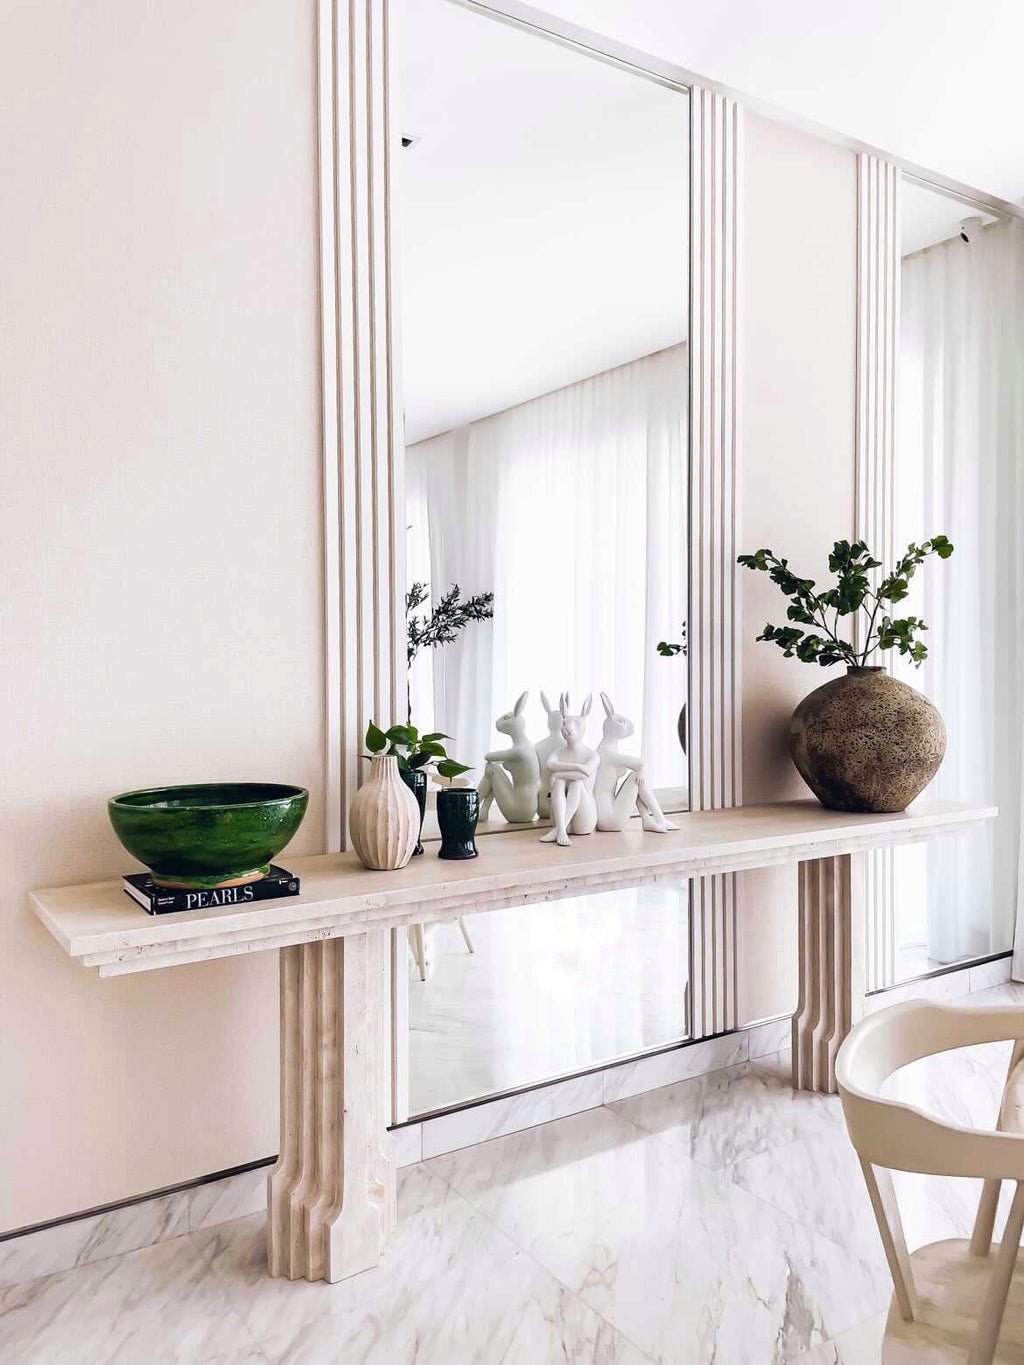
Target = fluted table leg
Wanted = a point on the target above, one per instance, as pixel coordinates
(832, 948)
(330, 1197)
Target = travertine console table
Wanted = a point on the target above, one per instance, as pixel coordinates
(331, 1194)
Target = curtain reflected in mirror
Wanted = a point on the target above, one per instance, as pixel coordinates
(959, 425)
(543, 224)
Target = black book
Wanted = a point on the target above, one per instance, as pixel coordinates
(161, 900)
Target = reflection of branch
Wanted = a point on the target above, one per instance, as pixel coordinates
(451, 615)
(670, 650)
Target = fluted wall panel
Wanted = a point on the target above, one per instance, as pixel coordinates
(878, 286)
(716, 125)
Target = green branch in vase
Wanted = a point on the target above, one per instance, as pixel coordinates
(852, 597)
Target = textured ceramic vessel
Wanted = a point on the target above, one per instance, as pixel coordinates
(416, 780)
(209, 835)
(866, 742)
(458, 809)
(681, 728)
(384, 818)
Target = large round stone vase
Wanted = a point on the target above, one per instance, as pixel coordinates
(866, 742)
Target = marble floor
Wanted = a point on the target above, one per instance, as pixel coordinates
(550, 989)
(718, 1221)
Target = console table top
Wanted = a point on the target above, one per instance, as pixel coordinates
(103, 927)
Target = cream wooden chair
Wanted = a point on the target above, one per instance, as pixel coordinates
(953, 1301)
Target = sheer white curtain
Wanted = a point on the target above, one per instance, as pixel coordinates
(572, 508)
(959, 472)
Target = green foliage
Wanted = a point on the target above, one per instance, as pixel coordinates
(669, 649)
(413, 750)
(852, 593)
(443, 624)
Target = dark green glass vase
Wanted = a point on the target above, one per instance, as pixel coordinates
(416, 781)
(458, 809)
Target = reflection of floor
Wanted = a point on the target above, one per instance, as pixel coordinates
(550, 989)
(719, 1221)
(913, 961)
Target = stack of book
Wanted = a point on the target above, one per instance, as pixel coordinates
(164, 900)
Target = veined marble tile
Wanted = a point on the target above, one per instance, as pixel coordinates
(726, 1115)
(407, 1145)
(665, 1068)
(452, 1290)
(236, 1196)
(766, 1039)
(964, 1086)
(93, 1239)
(498, 1117)
(946, 987)
(819, 1182)
(1012, 993)
(688, 1266)
(158, 1306)
(861, 1345)
(990, 974)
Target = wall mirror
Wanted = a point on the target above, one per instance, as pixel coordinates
(960, 282)
(542, 210)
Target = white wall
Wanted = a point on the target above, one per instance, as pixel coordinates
(160, 536)
(159, 547)
(798, 337)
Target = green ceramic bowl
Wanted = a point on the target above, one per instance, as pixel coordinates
(214, 834)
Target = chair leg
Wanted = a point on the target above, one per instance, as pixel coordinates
(983, 1348)
(465, 933)
(890, 1228)
(419, 948)
(981, 1237)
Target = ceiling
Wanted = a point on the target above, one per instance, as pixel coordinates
(927, 217)
(543, 215)
(935, 82)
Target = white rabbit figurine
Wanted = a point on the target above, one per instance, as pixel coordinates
(547, 746)
(573, 770)
(511, 776)
(617, 800)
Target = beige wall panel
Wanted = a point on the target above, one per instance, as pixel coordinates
(160, 547)
(798, 321)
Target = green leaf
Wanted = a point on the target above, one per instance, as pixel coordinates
(376, 740)
(435, 735)
(449, 768)
(401, 734)
(941, 546)
(418, 760)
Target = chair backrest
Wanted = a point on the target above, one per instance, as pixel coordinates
(900, 1136)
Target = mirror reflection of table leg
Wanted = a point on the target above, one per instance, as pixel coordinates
(331, 1195)
(832, 913)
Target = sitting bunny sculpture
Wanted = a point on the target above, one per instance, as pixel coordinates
(616, 800)
(573, 771)
(512, 776)
(547, 746)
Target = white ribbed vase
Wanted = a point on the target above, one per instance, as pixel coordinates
(384, 818)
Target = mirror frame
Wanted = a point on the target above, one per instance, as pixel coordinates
(363, 455)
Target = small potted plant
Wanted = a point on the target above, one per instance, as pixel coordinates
(864, 741)
(416, 754)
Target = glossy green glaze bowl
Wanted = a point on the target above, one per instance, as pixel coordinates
(214, 834)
